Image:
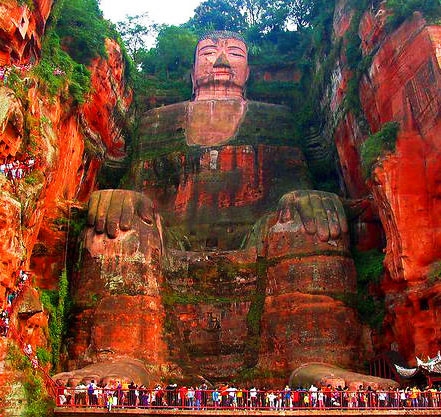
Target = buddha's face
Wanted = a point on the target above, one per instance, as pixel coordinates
(221, 65)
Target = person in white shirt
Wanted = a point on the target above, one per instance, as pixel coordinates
(321, 399)
(232, 396)
(253, 397)
(190, 396)
(27, 349)
(313, 390)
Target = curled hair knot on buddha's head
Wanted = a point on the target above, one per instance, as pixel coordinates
(215, 35)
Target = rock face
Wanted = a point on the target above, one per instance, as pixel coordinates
(212, 195)
(69, 144)
(234, 268)
(95, 129)
(22, 30)
(221, 261)
(217, 312)
(118, 292)
(402, 84)
(308, 267)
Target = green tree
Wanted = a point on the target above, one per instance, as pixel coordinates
(218, 15)
(134, 31)
(403, 9)
(173, 54)
(83, 30)
(255, 11)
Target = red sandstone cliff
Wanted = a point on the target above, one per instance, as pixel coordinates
(402, 85)
(69, 143)
(21, 30)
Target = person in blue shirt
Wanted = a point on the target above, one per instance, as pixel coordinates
(215, 398)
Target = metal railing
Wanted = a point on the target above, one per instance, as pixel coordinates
(200, 400)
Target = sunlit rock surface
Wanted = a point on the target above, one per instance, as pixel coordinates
(402, 85)
(58, 133)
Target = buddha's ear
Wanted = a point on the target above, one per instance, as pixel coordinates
(193, 82)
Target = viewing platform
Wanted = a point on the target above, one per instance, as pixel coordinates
(78, 412)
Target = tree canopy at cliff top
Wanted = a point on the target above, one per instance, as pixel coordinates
(278, 32)
(274, 31)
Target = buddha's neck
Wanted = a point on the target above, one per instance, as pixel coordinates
(219, 92)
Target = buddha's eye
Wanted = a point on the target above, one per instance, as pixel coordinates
(239, 55)
(208, 53)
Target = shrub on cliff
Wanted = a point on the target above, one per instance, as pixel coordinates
(369, 266)
(29, 3)
(74, 76)
(403, 9)
(371, 308)
(38, 402)
(56, 303)
(83, 30)
(434, 274)
(377, 144)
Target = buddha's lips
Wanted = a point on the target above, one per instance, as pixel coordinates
(223, 72)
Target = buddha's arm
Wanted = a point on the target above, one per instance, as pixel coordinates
(114, 210)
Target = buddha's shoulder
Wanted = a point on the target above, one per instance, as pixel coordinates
(176, 111)
(265, 123)
(254, 107)
(258, 107)
(164, 120)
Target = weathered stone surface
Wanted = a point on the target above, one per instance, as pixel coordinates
(117, 289)
(21, 30)
(29, 303)
(106, 114)
(348, 140)
(401, 85)
(34, 211)
(406, 184)
(217, 305)
(322, 374)
(211, 196)
(306, 246)
(124, 370)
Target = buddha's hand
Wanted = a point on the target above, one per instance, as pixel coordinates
(114, 210)
(321, 213)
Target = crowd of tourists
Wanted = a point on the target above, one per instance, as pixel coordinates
(118, 394)
(12, 294)
(21, 69)
(16, 170)
(5, 71)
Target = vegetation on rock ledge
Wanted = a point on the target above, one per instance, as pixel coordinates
(403, 9)
(370, 268)
(57, 303)
(38, 402)
(377, 144)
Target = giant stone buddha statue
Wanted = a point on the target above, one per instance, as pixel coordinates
(218, 258)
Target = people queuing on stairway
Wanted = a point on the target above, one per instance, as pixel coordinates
(16, 169)
(19, 69)
(12, 294)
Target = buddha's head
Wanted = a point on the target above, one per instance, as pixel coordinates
(221, 66)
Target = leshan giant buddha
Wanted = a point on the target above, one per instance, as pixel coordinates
(219, 258)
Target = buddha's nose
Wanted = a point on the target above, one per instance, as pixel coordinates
(222, 61)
